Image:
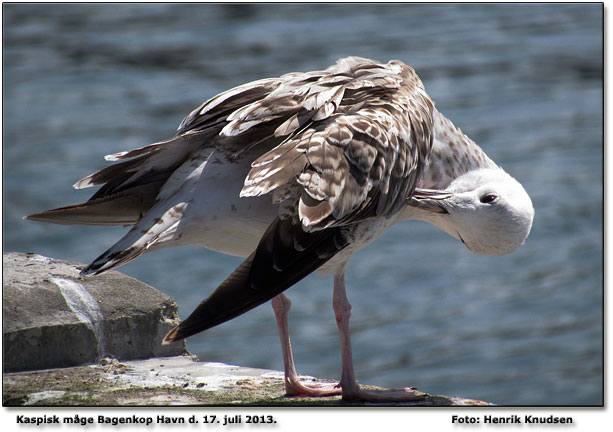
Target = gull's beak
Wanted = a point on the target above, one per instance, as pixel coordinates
(429, 200)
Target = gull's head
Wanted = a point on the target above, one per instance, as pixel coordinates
(487, 209)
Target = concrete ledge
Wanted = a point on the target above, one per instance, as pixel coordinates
(164, 381)
(52, 317)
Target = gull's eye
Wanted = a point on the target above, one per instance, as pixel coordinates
(488, 198)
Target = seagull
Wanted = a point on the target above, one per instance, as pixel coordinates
(296, 174)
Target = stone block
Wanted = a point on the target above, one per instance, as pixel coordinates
(53, 317)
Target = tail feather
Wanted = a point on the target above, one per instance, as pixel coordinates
(128, 188)
(155, 208)
(123, 208)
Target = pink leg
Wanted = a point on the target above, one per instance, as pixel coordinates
(342, 312)
(349, 384)
(293, 387)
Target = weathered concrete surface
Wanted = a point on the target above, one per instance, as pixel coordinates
(52, 317)
(165, 381)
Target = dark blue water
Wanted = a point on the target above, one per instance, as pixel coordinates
(524, 81)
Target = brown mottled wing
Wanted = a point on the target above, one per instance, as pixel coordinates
(353, 144)
(214, 111)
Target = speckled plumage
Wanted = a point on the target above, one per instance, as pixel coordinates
(452, 155)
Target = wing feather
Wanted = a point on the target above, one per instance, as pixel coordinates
(361, 144)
